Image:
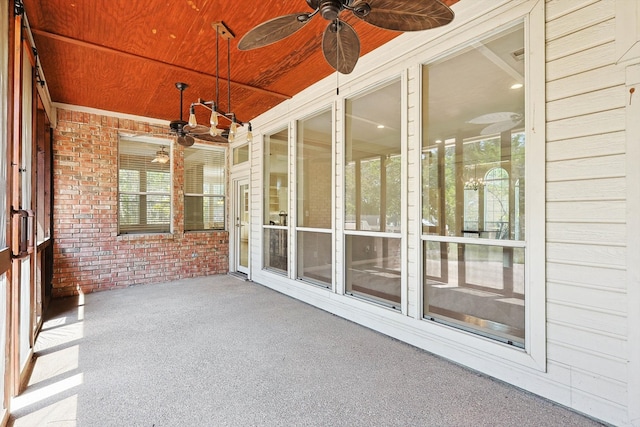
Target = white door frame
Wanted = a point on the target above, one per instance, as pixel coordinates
(239, 229)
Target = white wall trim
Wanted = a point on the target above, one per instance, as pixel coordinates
(98, 112)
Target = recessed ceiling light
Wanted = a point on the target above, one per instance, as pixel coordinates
(517, 86)
(380, 126)
(438, 141)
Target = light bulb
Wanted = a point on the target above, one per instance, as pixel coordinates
(232, 131)
(192, 117)
(249, 134)
(213, 121)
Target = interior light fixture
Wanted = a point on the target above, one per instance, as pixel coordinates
(224, 135)
(517, 86)
(380, 126)
(438, 141)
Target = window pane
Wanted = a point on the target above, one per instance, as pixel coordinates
(204, 213)
(314, 257)
(129, 209)
(276, 173)
(314, 172)
(144, 188)
(474, 143)
(276, 200)
(477, 287)
(158, 209)
(275, 251)
(158, 182)
(373, 163)
(241, 154)
(473, 167)
(205, 178)
(374, 268)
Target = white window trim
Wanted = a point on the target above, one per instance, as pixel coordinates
(313, 111)
(224, 195)
(534, 354)
(627, 30)
(262, 226)
(160, 142)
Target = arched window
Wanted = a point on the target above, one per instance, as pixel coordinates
(496, 201)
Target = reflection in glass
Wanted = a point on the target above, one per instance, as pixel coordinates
(276, 172)
(477, 287)
(314, 171)
(473, 176)
(276, 200)
(241, 154)
(314, 257)
(204, 189)
(373, 161)
(243, 223)
(144, 189)
(275, 249)
(314, 198)
(473, 158)
(374, 268)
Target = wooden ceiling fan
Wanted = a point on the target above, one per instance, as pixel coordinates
(340, 43)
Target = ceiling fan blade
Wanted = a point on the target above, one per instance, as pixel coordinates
(341, 46)
(273, 31)
(212, 138)
(500, 127)
(405, 15)
(494, 118)
(195, 130)
(186, 141)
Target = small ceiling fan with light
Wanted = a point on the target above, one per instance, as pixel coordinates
(180, 127)
(340, 43)
(162, 157)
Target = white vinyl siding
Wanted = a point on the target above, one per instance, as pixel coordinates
(586, 207)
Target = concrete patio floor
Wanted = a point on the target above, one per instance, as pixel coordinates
(219, 351)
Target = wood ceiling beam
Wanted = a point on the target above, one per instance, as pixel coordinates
(96, 47)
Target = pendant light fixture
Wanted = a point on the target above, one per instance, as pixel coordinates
(227, 135)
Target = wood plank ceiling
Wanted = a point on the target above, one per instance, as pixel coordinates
(126, 56)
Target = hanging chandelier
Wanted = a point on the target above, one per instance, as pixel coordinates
(474, 183)
(217, 133)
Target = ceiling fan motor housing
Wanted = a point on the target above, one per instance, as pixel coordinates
(329, 9)
(177, 126)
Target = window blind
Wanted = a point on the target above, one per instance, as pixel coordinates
(205, 179)
(144, 188)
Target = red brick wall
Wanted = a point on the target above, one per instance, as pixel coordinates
(89, 255)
